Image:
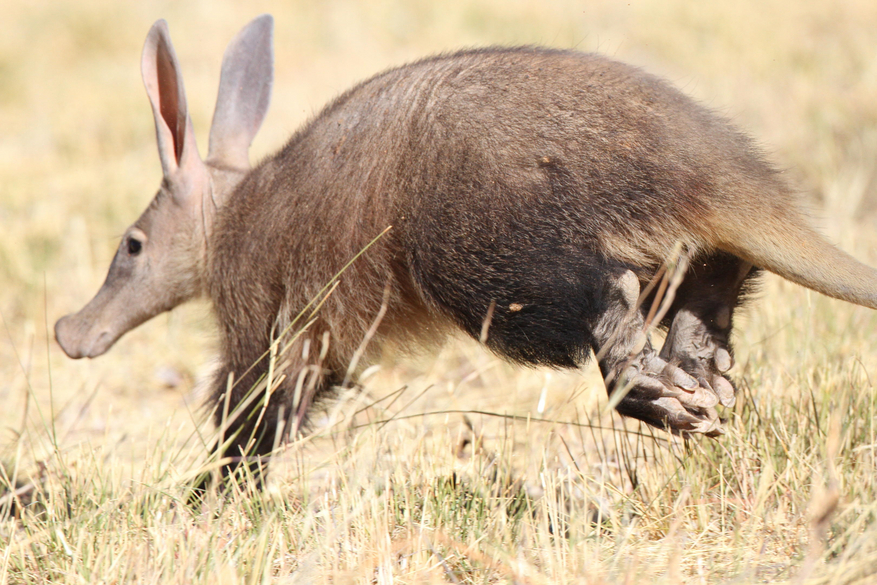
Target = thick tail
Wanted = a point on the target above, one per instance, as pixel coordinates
(795, 251)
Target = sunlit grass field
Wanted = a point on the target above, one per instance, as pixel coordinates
(448, 468)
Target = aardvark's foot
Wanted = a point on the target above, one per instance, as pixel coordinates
(666, 396)
(703, 352)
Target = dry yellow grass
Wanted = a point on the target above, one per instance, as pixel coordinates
(509, 492)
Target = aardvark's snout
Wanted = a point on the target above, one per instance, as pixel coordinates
(80, 338)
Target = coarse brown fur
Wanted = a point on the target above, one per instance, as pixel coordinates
(525, 194)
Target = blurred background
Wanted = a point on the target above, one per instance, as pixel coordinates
(78, 163)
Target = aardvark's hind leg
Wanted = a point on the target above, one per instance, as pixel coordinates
(655, 390)
(700, 322)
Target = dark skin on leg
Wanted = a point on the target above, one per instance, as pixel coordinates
(678, 387)
(700, 320)
(655, 390)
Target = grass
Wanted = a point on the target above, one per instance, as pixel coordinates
(456, 467)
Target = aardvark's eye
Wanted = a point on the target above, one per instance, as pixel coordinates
(134, 246)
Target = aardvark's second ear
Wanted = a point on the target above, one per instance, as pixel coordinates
(244, 93)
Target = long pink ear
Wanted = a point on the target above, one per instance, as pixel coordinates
(164, 86)
(244, 93)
